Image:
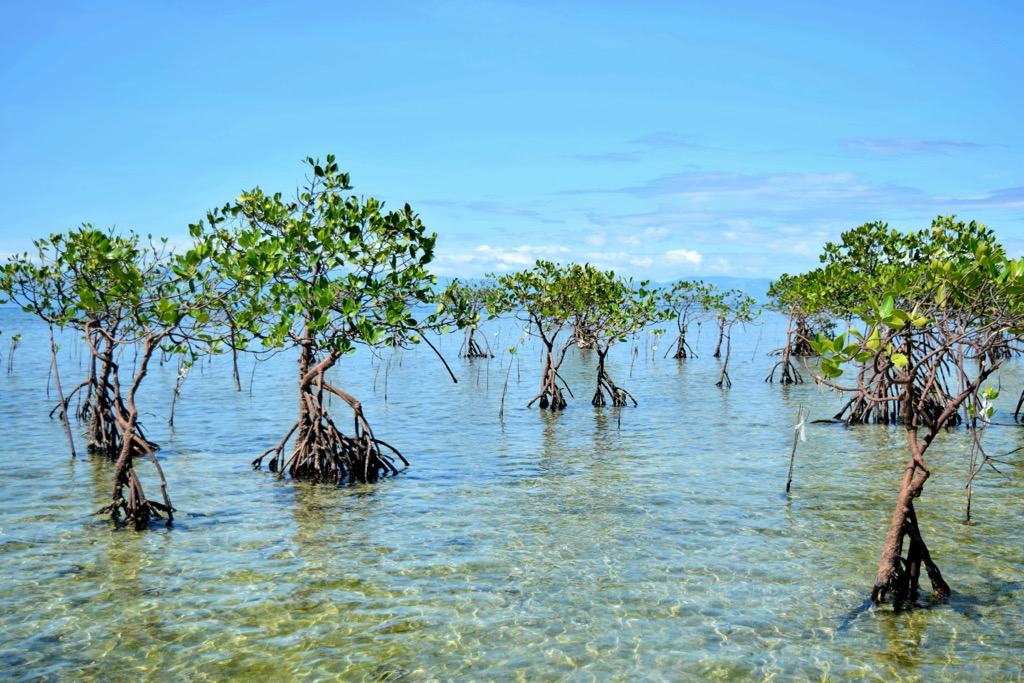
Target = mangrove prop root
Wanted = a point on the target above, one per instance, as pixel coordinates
(471, 348)
(551, 396)
(682, 348)
(788, 375)
(605, 385)
(904, 582)
(128, 499)
(322, 452)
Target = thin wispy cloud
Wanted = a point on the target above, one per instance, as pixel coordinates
(753, 223)
(908, 146)
(598, 136)
(1005, 198)
(646, 143)
(658, 264)
(647, 236)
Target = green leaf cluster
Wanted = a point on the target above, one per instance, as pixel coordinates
(950, 286)
(328, 269)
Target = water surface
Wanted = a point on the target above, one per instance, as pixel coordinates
(649, 543)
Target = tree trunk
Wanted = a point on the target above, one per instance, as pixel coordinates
(605, 384)
(801, 342)
(788, 374)
(60, 395)
(681, 346)
(135, 506)
(550, 396)
(306, 361)
(473, 349)
(895, 574)
(723, 379)
(721, 334)
(320, 450)
(103, 433)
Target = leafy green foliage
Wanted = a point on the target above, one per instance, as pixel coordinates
(113, 284)
(541, 297)
(465, 302)
(875, 258)
(608, 308)
(685, 301)
(328, 269)
(930, 316)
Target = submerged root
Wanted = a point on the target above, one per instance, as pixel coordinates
(551, 396)
(863, 410)
(551, 399)
(682, 348)
(620, 398)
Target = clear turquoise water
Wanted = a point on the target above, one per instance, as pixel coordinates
(651, 543)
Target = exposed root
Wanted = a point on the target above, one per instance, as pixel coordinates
(788, 375)
(605, 385)
(904, 582)
(128, 499)
(321, 452)
(619, 397)
(551, 396)
(471, 348)
(682, 348)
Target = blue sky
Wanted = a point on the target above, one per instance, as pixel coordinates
(661, 139)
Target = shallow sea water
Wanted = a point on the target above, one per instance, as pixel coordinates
(653, 543)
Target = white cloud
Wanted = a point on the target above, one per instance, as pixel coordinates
(485, 258)
(522, 255)
(683, 256)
